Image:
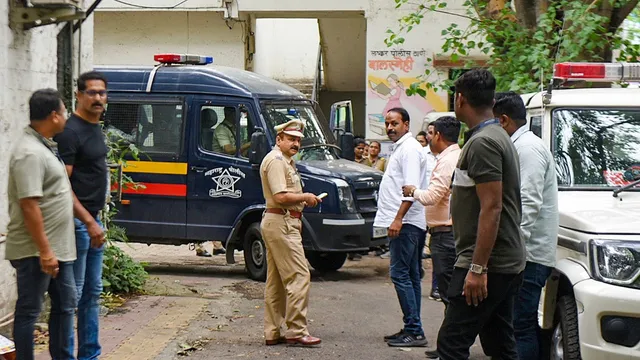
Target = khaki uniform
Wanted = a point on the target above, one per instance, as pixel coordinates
(288, 279)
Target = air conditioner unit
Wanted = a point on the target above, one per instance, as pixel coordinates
(57, 3)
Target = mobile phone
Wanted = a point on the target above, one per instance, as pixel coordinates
(322, 196)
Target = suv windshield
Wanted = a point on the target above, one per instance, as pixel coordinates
(597, 147)
(318, 142)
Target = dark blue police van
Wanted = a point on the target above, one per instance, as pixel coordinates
(202, 132)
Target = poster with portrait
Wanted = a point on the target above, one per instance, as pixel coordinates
(389, 74)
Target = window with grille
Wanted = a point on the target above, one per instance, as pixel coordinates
(152, 127)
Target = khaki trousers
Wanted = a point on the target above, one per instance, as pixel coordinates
(286, 292)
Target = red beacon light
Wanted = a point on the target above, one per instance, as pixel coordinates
(183, 59)
(597, 72)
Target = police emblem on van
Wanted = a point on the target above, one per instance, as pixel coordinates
(225, 181)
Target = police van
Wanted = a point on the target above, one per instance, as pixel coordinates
(201, 132)
(590, 306)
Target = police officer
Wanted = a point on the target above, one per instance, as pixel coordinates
(287, 287)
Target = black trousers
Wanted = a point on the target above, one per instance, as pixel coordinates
(443, 258)
(492, 319)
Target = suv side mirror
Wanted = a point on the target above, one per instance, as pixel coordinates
(259, 147)
(346, 145)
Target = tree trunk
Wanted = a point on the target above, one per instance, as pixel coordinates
(526, 13)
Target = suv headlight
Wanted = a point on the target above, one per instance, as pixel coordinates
(347, 205)
(616, 262)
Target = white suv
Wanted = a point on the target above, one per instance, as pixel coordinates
(591, 303)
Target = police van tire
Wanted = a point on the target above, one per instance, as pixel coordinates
(325, 262)
(565, 341)
(255, 253)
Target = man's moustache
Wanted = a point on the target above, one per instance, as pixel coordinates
(295, 148)
(97, 104)
(391, 132)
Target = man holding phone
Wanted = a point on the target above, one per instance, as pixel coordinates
(288, 279)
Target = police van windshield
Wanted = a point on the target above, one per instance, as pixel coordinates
(318, 142)
(597, 147)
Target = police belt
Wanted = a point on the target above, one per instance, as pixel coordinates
(279, 211)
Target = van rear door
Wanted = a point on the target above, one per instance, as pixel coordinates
(149, 130)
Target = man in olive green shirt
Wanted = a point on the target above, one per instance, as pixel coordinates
(41, 238)
(486, 215)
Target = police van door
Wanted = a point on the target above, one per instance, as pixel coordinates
(149, 131)
(221, 183)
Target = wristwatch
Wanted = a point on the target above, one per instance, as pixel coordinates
(478, 269)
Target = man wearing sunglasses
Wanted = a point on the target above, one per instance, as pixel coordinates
(83, 149)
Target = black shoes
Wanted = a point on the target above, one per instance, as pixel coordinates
(408, 340)
(203, 253)
(393, 336)
(432, 354)
(435, 295)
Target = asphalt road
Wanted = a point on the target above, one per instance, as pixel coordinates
(350, 310)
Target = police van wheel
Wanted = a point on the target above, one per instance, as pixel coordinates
(326, 261)
(255, 253)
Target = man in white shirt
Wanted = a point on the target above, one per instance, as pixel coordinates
(539, 193)
(405, 220)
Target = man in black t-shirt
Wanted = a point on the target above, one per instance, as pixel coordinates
(486, 212)
(83, 149)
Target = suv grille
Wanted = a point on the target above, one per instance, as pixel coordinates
(367, 198)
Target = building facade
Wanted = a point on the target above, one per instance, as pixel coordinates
(30, 62)
(282, 39)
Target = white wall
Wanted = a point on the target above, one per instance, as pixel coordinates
(133, 37)
(286, 49)
(29, 62)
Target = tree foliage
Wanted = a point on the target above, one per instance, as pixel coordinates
(121, 273)
(523, 38)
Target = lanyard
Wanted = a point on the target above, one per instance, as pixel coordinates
(486, 123)
(480, 126)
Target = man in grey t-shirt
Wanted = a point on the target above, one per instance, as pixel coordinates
(486, 213)
(40, 241)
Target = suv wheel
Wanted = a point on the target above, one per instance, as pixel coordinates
(255, 253)
(565, 342)
(326, 261)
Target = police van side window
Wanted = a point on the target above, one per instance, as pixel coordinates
(535, 125)
(153, 128)
(218, 130)
(247, 128)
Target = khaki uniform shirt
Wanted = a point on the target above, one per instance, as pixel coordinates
(224, 134)
(278, 174)
(364, 161)
(380, 164)
(36, 172)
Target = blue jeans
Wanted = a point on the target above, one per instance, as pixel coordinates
(406, 252)
(88, 273)
(32, 284)
(525, 321)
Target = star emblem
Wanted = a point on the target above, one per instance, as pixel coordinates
(225, 181)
